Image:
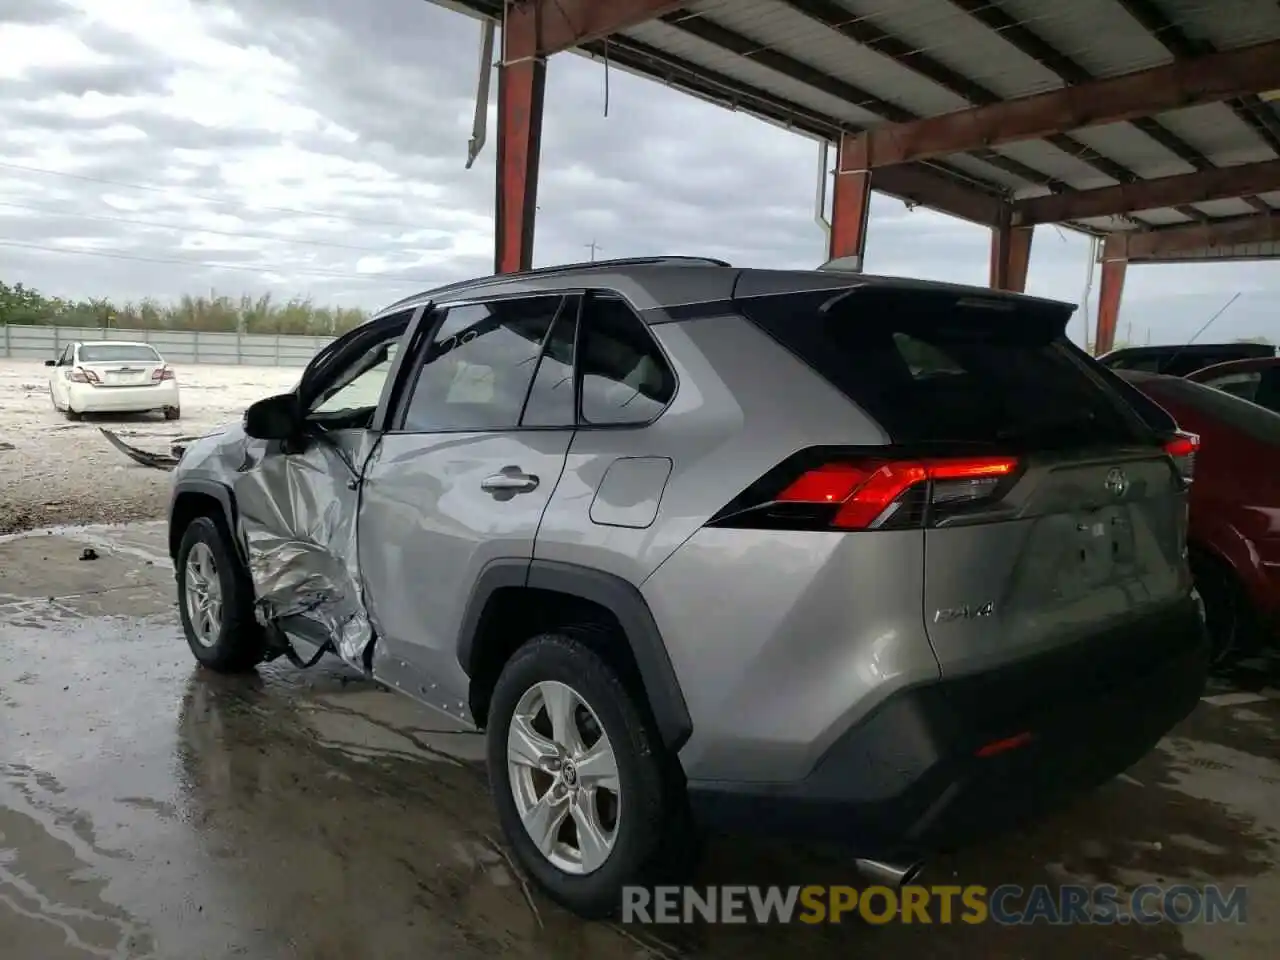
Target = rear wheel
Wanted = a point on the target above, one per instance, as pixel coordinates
(71, 413)
(172, 413)
(215, 601)
(1223, 604)
(578, 777)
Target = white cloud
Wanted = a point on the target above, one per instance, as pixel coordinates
(318, 146)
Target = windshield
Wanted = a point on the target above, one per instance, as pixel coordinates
(118, 353)
(1259, 422)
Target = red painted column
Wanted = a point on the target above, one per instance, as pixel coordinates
(1010, 257)
(521, 86)
(1114, 265)
(850, 200)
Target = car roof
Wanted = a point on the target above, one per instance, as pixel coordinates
(1242, 349)
(114, 343)
(658, 283)
(1232, 366)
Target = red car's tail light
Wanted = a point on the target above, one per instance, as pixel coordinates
(1183, 448)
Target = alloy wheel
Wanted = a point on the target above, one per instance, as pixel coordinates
(203, 594)
(564, 777)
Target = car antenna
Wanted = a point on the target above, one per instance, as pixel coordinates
(1208, 323)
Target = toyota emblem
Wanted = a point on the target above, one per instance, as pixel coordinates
(1116, 484)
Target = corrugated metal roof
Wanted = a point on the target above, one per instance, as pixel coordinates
(1226, 24)
(923, 58)
(1242, 251)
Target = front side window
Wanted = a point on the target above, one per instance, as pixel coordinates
(478, 367)
(348, 374)
(625, 378)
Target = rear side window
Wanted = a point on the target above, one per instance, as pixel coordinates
(625, 377)
(933, 367)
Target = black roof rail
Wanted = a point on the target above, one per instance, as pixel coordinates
(567, 268)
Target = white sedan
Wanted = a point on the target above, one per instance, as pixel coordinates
(112, 376)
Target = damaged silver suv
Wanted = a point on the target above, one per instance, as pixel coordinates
(866, 560)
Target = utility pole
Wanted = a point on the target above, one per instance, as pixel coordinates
(593, 247)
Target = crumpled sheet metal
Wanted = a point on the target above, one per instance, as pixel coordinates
(298, 522)
(147, 458)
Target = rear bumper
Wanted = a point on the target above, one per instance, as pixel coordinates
(907, 781)
(86, 398)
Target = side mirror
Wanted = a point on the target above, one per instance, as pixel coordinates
(51, 363)
(274, 418)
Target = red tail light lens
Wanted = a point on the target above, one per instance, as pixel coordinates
(862, 494)
(81, 375)
(162, 373)
(1183, 449)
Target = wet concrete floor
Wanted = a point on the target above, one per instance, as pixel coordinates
(151, 809)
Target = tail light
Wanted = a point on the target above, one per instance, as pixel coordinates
(843, 492)
(162, 373)
(81, 375)
(1183, 449)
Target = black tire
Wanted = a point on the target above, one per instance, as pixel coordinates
(241, 642)
(73, 414)
(172, 413)
(650, 802)
(1226, 608)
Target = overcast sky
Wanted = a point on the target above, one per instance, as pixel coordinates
(316, 147)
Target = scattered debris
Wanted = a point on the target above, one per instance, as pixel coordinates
(7, 446)
(89, 554)
(157, 461)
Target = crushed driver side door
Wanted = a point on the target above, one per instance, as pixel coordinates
(297, 502)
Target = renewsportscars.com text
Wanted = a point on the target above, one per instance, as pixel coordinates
(1008, 905)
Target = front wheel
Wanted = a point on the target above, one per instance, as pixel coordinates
(215, 601)
(581, 789)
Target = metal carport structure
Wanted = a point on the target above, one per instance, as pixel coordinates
(1149, 124)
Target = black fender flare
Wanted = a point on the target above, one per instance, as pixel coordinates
(226, 499)
(615, 594)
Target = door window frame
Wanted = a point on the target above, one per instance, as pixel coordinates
(431, 324)
(334, 358)
(426, 325)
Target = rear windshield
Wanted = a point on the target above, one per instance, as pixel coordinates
(117, 352)
(1259, 422)
(1180, 363)
(938, 368)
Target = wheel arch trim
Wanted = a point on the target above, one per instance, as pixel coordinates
(622, 598)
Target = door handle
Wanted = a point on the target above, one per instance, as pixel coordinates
(510, 481)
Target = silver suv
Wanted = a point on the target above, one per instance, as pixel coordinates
(869, 560)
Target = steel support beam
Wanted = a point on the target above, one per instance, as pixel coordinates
(1170, 241)
(1010, 257)
(1110, 292)
(850, 202)
(1183, 83)
(1220, 183)
(521, 85)
(540, 28)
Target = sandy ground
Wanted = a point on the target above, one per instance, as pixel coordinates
(55, 471)
(150, 809)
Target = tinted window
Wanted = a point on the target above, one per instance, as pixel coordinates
(118, 353)
(625, 378)
(934, 367)
(1243, 384)
(550, 402)
(478, 366)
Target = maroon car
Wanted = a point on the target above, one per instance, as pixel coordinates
(1235, 506)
